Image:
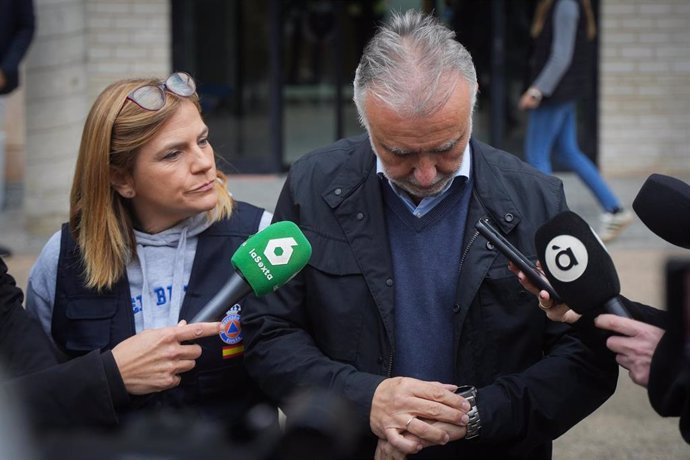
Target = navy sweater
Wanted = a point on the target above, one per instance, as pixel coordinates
(426, 259)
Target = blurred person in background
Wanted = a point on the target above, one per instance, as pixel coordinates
(563, 32)
(17, 24)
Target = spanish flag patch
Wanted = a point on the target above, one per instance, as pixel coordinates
(233, 350)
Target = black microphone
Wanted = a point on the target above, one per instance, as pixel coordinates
(263, 263)
(663, 204)
(577, 265)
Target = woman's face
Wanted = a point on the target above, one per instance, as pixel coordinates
(174, 174)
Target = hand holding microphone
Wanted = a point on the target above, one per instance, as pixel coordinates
(262, 264)
(554, 308)
(578, 267)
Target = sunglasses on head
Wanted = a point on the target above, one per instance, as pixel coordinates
(152, 97)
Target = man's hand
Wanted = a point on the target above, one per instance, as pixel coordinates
(406, 412)
(635, 346)
(153, 360)
(386, 451)
(555, 312)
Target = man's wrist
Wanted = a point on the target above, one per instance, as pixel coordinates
(474, 425)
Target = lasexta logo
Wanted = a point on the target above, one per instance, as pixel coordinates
(566, 258)
(279, 250)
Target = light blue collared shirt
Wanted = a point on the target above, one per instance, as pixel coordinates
(430, 202)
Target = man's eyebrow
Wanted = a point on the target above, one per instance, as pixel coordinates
(397, 150)
(446, 147)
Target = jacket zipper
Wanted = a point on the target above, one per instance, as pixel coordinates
(467, 248)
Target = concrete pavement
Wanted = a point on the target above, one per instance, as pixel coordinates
(625, 427)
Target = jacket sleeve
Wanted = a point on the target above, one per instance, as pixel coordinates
(90, 387)
(19, 44)
(24, 347)
(545, 400)
(281, 354)
(84, 391)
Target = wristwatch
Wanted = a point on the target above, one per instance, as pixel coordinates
(470, 394)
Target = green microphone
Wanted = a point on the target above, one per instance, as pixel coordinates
(263, 263)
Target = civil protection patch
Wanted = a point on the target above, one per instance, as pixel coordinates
(231, 330)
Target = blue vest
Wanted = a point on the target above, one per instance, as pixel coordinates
(85, 320)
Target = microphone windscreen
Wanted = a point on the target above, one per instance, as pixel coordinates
(270, 258)
(576, 262)
(663, 204)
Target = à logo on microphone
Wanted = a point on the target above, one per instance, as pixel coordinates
(278, 251)
(566, 258)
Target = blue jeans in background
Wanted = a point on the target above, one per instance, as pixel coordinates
(551, 128)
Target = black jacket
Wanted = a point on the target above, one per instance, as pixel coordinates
(17, 25)
(31, 366)
(332, 325)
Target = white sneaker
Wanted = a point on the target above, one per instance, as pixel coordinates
(613, 224)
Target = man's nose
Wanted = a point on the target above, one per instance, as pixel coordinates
(425, 171)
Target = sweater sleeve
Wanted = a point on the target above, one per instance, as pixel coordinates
(40, 292)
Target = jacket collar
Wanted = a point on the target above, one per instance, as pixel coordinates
(488, 184)
(359, 168)
(490, 190)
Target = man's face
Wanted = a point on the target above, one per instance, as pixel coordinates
(421, 155)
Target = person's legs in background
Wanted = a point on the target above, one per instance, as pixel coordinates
(543, 125)
(615, 218)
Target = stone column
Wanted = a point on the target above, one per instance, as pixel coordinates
(56, 106)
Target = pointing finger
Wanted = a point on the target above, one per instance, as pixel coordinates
(187, 332)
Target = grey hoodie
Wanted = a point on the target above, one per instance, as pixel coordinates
(158, 277)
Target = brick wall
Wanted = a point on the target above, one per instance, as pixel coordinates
(645, 86)
(126, 38)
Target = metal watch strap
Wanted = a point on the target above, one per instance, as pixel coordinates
(470, 394)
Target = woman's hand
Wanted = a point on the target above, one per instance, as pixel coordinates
(153, 360)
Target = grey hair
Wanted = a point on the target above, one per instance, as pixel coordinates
(412, 65)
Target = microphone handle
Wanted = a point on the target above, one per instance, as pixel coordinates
(234, 290)
(615, 306)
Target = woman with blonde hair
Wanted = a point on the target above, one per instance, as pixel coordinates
(151, 232)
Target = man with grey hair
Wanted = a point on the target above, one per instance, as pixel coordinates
(403, 308)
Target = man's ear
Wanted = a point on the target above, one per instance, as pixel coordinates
(122, 183)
